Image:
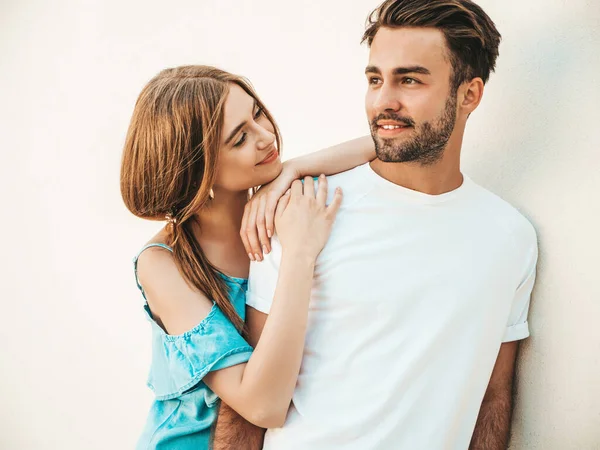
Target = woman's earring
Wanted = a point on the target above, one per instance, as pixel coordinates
(211, 194)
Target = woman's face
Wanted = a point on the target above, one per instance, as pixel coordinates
(248, 155)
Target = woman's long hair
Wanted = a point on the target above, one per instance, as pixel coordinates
(170, 161)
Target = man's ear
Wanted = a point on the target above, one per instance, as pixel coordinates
(469, 95)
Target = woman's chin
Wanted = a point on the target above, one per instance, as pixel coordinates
(269, 172)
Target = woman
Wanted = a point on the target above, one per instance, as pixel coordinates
(199, 140)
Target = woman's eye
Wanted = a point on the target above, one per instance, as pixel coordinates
(258, 113)
(241, 140)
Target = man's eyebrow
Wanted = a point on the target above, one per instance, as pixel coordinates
(400, 70)
(240, 126)
(412, 69)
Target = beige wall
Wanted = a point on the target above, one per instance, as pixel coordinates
(74, 345)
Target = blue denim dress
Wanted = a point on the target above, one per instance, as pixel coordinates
(185, 409)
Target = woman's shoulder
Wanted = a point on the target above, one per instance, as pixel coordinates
(155, 252)
(174, 303)
(155, 260)
(159, 239)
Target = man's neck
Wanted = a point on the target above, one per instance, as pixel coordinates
(434, 179)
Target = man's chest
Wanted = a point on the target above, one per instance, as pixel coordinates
(397, 264)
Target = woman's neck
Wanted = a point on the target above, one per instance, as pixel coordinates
(222, 217)
(218, 234)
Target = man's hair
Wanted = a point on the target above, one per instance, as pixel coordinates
(471, 36)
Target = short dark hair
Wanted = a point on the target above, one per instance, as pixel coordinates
(471, 36)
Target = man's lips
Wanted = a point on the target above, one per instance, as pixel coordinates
(391, 125)
(389, 129)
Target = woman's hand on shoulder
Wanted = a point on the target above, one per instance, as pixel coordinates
(175, 305)
(258, 222)
(304, 220)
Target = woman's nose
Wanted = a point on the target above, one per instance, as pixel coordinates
(266, 138)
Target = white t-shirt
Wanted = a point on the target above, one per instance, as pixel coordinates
(412, 296)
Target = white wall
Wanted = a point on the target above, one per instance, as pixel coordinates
(74, 346)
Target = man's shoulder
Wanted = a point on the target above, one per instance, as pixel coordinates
(354, 183)
(504, 214)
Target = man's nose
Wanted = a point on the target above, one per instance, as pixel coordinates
(387, 99)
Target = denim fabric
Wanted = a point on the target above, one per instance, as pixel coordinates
(184, 409)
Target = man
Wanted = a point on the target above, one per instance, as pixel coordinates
(422, 292)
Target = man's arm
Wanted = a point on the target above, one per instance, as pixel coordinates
(492, 429)
(232, 431)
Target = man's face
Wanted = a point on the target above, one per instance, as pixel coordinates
(410, 104)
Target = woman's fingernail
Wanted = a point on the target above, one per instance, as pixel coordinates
(250, 256)
(270, 234)
(265, 250)
(257, 257)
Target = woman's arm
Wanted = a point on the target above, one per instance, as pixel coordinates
(258, 221)
(261, 389)
(232, 430)
(332, 160)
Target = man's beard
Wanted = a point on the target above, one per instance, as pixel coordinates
(429, 141)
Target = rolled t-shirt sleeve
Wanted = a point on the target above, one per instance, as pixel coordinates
(518, 326)
(262, 280)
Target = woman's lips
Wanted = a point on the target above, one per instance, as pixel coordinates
(272, 156)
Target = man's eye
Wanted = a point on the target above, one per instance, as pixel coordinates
(410, 81)
(258, 113)
(374, 80)
(241, 140)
